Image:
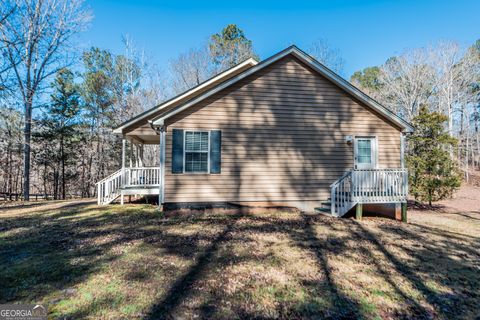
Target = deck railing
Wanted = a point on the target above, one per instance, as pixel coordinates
(109, 189)
(341, 195)
(142, 177)
(368, 186)
(379, 185)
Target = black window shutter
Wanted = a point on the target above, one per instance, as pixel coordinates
(215, 151)
(177, 151)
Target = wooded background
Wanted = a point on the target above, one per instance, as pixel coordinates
(58, 107)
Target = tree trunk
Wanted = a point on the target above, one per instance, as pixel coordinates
(27, 132)
(63, 167)
(45, 190)
(10, 168)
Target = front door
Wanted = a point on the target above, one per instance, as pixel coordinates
(365, 153)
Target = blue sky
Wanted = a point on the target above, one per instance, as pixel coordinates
(365, 32)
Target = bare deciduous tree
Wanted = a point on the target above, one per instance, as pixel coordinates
(35, 39)
(406, 82)
(454, 74)
(324, 53)
(190, 69)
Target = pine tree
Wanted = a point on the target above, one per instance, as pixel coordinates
(434, 175)
(60, 132)
(230, 47)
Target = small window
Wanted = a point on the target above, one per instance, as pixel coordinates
(196, 151)
(364, 150)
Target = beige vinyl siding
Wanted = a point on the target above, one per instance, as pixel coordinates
(142, 130)
(283, 138)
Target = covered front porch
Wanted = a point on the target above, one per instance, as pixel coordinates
(141, 172)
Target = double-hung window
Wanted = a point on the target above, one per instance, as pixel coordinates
(196, 150)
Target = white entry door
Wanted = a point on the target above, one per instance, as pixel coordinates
(365, 152)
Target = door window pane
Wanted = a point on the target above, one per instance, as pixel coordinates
(364, 151)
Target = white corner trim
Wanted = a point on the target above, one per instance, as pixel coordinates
(153, 110)
(339, 81)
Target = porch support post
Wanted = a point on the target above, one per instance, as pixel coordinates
(130, 153)
(359, 211)
(398, 211)
(124, 145)
(161, 193)
(122, 179)
(404, 212)
(135, 155)
(140, 157)
(98, 193)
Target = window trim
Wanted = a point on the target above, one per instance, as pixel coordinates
(185, 151)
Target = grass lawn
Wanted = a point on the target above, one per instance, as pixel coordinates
(118, 262)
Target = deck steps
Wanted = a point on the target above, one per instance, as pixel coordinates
(326, 207)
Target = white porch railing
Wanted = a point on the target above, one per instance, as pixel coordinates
(111, 187)
(142, 177)
(368, 186)
(108, 189)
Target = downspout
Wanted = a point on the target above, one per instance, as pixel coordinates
(402, 160)
(162, 166)
(402, 150)
(123, 178)
(161, 131)
(124, 145)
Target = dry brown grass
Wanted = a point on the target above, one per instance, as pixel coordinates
(132, 262)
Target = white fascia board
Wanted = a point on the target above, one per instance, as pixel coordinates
(342, 83)
(150, 112)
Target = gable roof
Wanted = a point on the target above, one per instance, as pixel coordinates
(189, 98)
(315, 65)
(190, 93)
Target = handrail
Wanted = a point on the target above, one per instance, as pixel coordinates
(368, 186)
(109, 188)
(341, 178)
(340, 195)
(108, 177)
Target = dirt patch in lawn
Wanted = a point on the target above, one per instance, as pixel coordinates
(111, 262)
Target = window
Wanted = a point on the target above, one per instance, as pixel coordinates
(364, 147)
(365, 151)
(196, 151)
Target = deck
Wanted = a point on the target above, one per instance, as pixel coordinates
(128, 181)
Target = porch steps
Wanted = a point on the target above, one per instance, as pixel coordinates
(325, 208)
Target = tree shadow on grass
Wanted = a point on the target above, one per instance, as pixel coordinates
(182, 285)
(42, 253)
(431, 261)
(48, 252)
(51, 251)
(340, 306)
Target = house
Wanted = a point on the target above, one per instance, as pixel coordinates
(285, 131)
